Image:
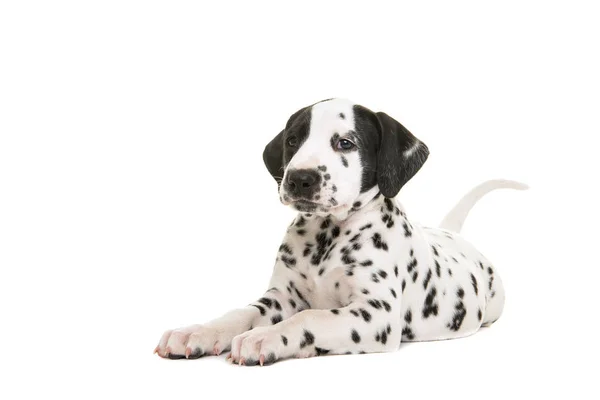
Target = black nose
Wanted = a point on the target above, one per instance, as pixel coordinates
(302, 182)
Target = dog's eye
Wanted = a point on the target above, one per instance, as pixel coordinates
(344, 144)
(292, 141)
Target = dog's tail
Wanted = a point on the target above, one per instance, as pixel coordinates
(455, 219)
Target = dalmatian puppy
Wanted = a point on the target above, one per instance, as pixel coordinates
(353, 274)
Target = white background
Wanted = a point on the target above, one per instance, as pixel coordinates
(133, 197)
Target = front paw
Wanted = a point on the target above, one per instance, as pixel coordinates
(193, 342)
(261, 345)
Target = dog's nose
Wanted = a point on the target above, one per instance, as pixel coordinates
(302, 182)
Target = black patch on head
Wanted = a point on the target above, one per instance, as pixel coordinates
(383, 144)
(279, 152)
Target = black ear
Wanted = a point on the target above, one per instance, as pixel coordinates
(400, 155)
(273, 157)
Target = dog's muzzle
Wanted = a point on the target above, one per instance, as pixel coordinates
(302, 184)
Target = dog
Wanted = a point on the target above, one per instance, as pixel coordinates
(353, 274)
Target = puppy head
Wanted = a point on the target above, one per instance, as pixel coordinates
(335, 153)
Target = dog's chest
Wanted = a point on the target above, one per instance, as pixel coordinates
(323, 256)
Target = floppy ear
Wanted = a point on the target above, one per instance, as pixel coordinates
(273, 157)
(400, 155)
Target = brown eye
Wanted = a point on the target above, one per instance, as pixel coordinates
(344, 144)
(292, 141)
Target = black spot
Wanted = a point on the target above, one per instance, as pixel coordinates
(382, 273)
(321, 271)
(474, 282)
(481, 265)
(347, 232)
(407, 231)
(357, 204)
(427, 279)
(354, 312)
(285, 248)
(438, 269)
(449, 272)
(306, 252)
(344, 161)
(301, 222)
(292, 303)
(430, 307)
(301, 232)
(335, 232)
(435, 250)
(403, 285)
(411, 265)
(326, 223)
(408, 333)
(261, 309)
(367, 226)
(378, 243)
(479, 316)
(288, 261)
(386, 305)
(327, 177)
(393, 292)
(365, 291)
(322, 168)
(266, 302)
(365, 315)
(460, 293)
(355, 336)
(309, 339)
(408, 316)
(284, 340)
(374, 278)
(415, 276)
(277, 305)
(355, 237)
(321, 351)
(458, 317)
(366, 263)
(374, 303)
(383, 337)
(335, 311)
(337, 285)
(276, 319)
(396, 270)
(303, 275)
(342, 116)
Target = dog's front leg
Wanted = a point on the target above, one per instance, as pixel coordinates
(362, 327)
(215, 336)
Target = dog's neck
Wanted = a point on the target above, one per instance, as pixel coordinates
(369, 201)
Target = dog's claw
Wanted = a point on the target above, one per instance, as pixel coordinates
(155, 350)
(261, 360)
(242, 361)
(188, 352)
(216, 351)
